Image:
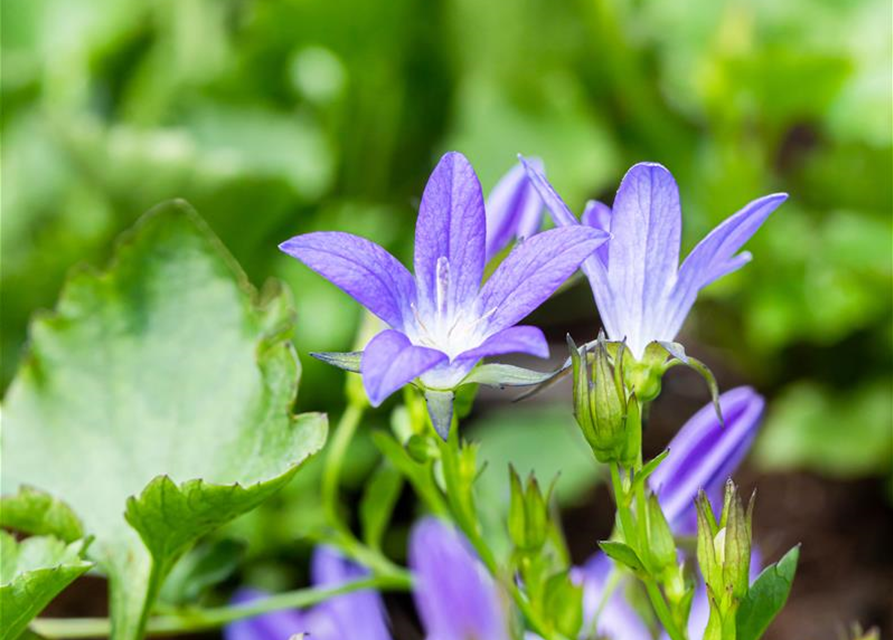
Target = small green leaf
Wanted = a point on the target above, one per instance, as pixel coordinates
(377, 505)
(32, 573)
(203, 567)
(506, 375)
(168, 364)
(766, 597)
(642, 476)
(37, 513)
(623, 554)
(349, 361)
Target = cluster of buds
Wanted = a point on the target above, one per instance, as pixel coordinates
(606, 410)
(724, 549)
(528, 513)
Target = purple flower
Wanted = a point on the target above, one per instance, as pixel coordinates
(359, 614)
(704, 453)
(642, 293)
(616, 620)
(514, 209)
(442, 321)
(455, 596)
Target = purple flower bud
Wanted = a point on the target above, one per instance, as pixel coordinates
(455, 596)
(704, 454)
(514, 209)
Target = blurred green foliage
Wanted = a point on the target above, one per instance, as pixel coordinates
(277, 117)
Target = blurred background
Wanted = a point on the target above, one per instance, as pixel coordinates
(276, 117)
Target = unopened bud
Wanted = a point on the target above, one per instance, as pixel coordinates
(528, 513)
(606, 413)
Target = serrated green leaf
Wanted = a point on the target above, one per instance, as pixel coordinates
(766, 597)
(167, 364)
(32, 573)
(37, 513)
(377, 505)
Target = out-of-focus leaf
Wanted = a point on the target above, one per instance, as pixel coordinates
(32, 573)
(203, 567)
(168, 367)
(818, 428)
(377, 505)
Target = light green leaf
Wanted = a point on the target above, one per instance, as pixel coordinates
(624, 554)
(32, 573)
(766, 597)
(171, 365)
(37, 513)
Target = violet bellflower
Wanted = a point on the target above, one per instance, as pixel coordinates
(455, 596)
(442, 321)
(642, 293)
(359, 614)
(514, 209)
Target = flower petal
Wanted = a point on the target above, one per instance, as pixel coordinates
(561, 214)
(269, 626)
(455, 597)
(703, 454)
(452, 225)
(514, 209)
(534, 270)
(518, 339)
(715, 256)
(646, 226)
(598, 216)
(359, 614)
(391, 360)
(361, 268)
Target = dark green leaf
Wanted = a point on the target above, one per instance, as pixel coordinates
(766, 597)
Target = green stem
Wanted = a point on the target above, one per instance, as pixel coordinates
(629, 534)
(331, 478)
(202, 619)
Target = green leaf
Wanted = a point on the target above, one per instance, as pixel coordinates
(32, 573)
(766, 597)
(203, 567)
(623, 554)
(166, 369)
(379, 498)
(37, 513)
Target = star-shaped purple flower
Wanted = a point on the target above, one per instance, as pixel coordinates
(642, 293)
(443, 321)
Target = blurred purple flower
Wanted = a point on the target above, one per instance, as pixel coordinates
(704, 454)
(642, 293)
(359, 614)
(617, 620)
(455, 596)
(442, 321)
(514, 209)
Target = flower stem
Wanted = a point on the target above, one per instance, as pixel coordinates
(624, 513)
(189, 620)
(331, 478)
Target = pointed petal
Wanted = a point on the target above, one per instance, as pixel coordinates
(561, 215)
(391, 361)
(703, 454)
(715, 255)
(359, 614)
(514, 209)
(360, 268)
(518, 339)
(451, 225)
(269, 626)
(646, 226)
(534, 270)
(455, 597)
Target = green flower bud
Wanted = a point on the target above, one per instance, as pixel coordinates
(528, 514)
(606, 413)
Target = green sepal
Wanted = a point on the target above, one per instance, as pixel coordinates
(501, 376)
(32, 573)
(440, 410)
(766, 597)
(348, 361)
(624, 555)
(677, 351)
(563, 602)
(641, 477)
